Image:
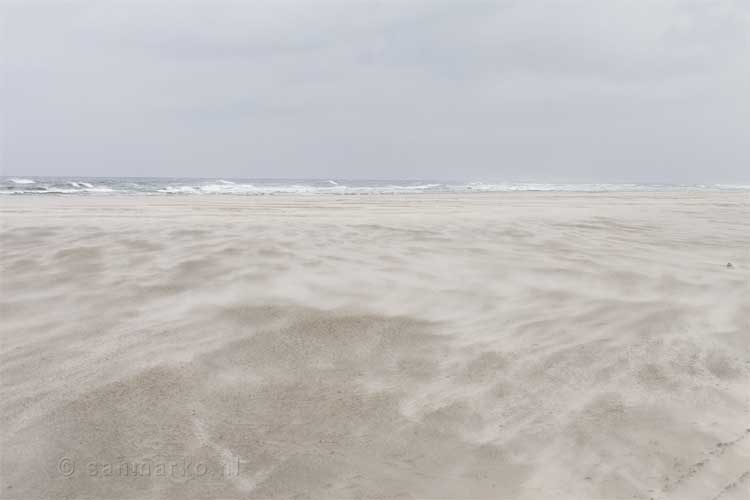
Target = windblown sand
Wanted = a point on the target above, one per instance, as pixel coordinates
(521, 345)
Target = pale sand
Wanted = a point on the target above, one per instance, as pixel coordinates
(528, 345)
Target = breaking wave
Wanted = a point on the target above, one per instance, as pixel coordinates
(181, 186)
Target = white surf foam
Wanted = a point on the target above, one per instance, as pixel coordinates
(148, 186)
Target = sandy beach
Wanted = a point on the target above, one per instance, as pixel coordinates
(504, 345)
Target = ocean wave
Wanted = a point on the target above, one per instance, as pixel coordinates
(70, 187)
(81, 184)
(259, 187)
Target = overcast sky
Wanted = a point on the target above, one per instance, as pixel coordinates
(567, 90)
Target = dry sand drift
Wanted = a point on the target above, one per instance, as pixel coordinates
(528, 345)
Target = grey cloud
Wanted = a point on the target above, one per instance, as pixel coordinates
(564, 90)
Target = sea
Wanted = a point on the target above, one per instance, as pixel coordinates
(175, 186)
